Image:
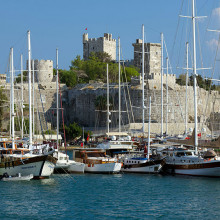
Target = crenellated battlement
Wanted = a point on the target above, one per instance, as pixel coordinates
(102, 44)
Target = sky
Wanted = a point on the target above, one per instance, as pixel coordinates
(61, 24)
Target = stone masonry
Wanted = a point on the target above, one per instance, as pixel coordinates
(152, 63)
(101, 44)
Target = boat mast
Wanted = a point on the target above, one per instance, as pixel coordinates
(57, 83)
(148, 145)
(119, 87)
(108, 113)
(167, 96)
(194, 74)
(22, 99)
(33, 82)
(12, 101)
(162, 84)
(143, 107)
(187, 75)
(29, 89)
(10, 89)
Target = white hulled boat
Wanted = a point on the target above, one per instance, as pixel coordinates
(65, 165)
(14, 161)
(187, 162)
(96, 161)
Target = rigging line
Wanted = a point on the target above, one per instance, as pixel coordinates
(203, 5)
(178, 23)
(216, 54)
(178, 97)
(16, 109)
(42, 108)
(61, 105)
(40, 120)
(23, 36)
(126, 102)
(39, 116)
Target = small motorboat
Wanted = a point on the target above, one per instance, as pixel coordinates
(18, 177)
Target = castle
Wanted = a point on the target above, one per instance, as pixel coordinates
(79, 103)
(102, 44)
(152, 63)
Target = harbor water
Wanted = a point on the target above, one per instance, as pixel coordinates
(118, 196)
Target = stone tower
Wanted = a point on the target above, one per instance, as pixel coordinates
(101, 44)
(43, 71)
(152, 62)
(152, 57)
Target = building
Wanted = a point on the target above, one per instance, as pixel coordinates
(101, 44)
(43, 71)
(2, 79)
(152, 63)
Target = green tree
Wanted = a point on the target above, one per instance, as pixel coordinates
(68, 77)
(181, 80)
(25, 77)
(73, 130)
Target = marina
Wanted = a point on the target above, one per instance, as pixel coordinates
(111, 138)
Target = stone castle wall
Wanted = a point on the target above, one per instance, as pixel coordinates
(80, 105)
(83, 110)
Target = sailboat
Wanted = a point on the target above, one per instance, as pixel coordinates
(64, 164)
(15, 160)
(117, 141)
(183, 161)
(147, 163)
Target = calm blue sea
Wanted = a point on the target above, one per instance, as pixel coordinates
(119, 196)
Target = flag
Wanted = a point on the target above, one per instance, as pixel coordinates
(87, 137)
(199, 134)
(86, 29)
(81, 144)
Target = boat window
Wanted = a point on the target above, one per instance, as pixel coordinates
(179, 154)
(8, 145)
(188, 153)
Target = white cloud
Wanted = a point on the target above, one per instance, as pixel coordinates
(213, 43)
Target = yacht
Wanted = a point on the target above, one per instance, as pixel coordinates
(141, 162)
(96, 161)
(187, 162)
(65, 165)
